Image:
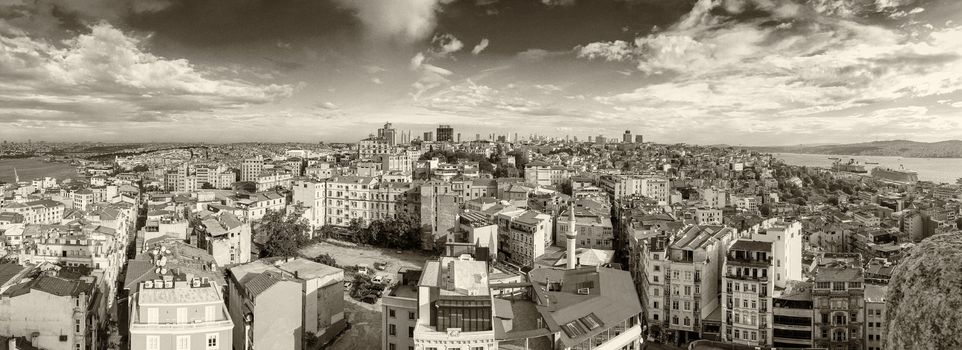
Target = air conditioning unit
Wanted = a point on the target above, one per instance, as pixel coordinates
(148, 284)
(584, 291)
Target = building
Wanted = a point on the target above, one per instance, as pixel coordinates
(639, 139)
(839, 298)
(792, 316)
(177, 310)
(593, 227)
(692, 265)
(455, 307)
(428, 136)
(876, 325)
(523, 236)
(251, 168)
(225, 237)
(399, 312)
(313, 296)
(387, 134)
(708, 216)
(652, 186)
(445, 133)
(55, 313)
(544, 174)
(626, 137)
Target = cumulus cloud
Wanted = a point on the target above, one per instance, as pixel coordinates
(106, 76)
(445, 44)
(480, 46)
(328, 105)
(715, 67)
(401, 20)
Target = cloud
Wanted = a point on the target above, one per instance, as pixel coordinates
(377, 81)
(480, 46)
(328, 105)
(105, 76)
(401, 20)
(445, 44)
(417, 60)
(558, 2)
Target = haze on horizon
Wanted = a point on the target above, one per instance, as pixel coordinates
(738, 72)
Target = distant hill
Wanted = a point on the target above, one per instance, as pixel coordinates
(895, 148)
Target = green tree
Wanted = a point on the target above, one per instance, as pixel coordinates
(283, 233)
(923, 303)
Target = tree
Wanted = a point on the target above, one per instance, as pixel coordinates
(283, 233)
(207, 186)
(923, 305)
(325, 259)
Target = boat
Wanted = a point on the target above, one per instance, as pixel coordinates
(851, 167)
(898, 176)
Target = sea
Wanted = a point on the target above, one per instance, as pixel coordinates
(937, 170)
(32, 168)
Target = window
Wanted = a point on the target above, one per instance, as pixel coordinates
(654, 305)
(687, 305)
(657, 268)
(181, 315)
(183, 342)
(76, 325)
(153, 342)
(210, 313)
(391, 346)
(391, 329)
(390, 313)
(410, 332)
(152, 316)
(410, 315)
(737, 334)
(213, 341)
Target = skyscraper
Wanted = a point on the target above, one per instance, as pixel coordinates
(445, 133)
(639, 139)
(387, 134)
(626, 138)
(428, 136)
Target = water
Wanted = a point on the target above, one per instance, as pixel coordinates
(930, 169)
(29, 169)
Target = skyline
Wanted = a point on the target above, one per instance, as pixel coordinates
(745, 72)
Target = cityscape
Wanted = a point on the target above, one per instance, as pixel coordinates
(480, 174)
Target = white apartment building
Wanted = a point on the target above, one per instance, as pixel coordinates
(524, 235)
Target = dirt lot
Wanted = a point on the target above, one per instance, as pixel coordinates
(352, 256)
(365, 319)
(365, 331)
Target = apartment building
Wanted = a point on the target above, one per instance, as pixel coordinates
(708, 216)
(43, 211)
(455, 306)
(876, 325)
(399, 312)
(179, 312)
(593, 227)
(544, 174)
(792, 316)
(440, 202)
(313, 296)
(747, 293)
(523, 236)
(100, 248)
(692, 265)
(269, 179)
(251, 168)
(55, 313)
(225, 237)
(839, 301)
(656, 187)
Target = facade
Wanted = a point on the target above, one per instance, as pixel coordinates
(313, 296)
(399, 312)
(524, 235)
(544, 174)
(455, 306)
(55, 313)
(225, 237)
(445, 133)
(179, 312)
(652, 186)
(839, 298)
(251, 168)
(792, 317)
(876, 325)
(594, 229)
(692, 266)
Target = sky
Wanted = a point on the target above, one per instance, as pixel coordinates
(738, 72)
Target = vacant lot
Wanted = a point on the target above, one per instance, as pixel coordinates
(365, 331)
(352, 256)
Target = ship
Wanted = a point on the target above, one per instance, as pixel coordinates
(851, 167)
(898, 176)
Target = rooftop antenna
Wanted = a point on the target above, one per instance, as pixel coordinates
(16, 177)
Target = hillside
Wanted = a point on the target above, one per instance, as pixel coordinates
(897, 148)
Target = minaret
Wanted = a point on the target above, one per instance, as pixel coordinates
(571, 237)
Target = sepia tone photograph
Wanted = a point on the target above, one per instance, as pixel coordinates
(480, 174)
